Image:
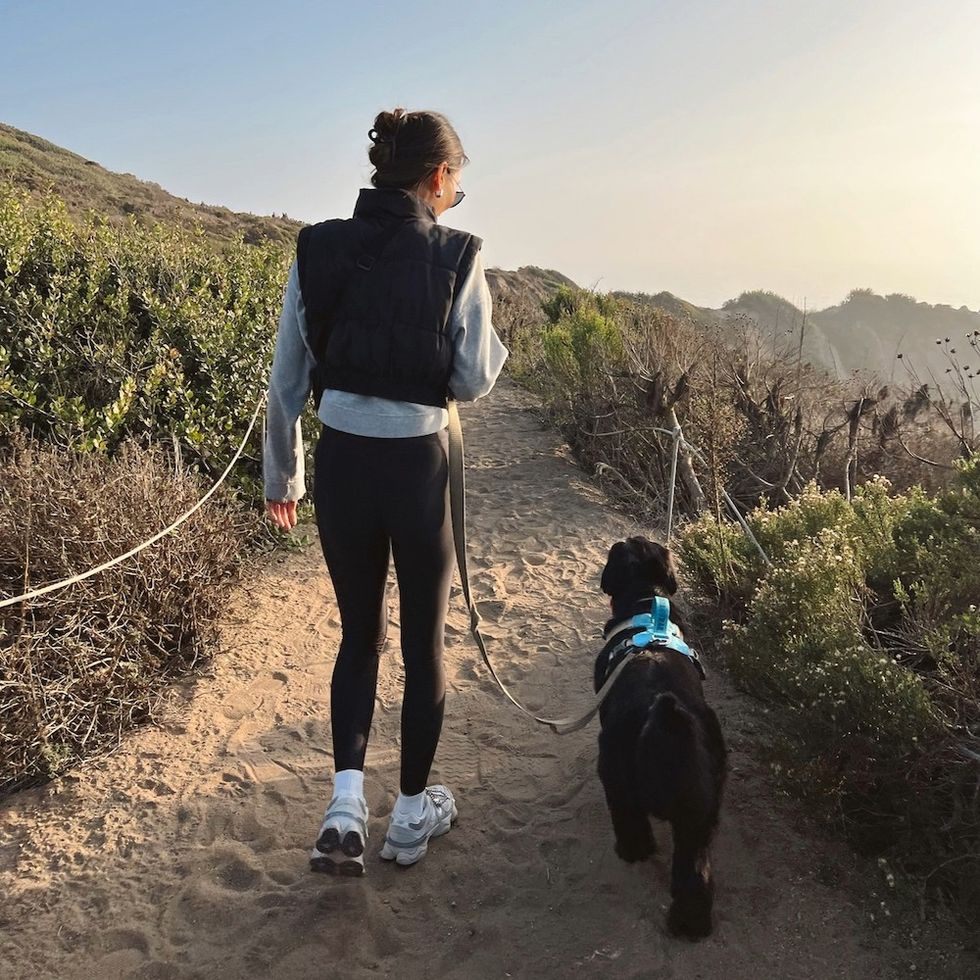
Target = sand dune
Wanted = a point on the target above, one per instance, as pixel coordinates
(184, 854)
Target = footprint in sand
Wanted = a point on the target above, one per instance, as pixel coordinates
(242, 704)
(237, 875)
(164, 970)
(117, 939)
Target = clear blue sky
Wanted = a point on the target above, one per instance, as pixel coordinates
(698, 147)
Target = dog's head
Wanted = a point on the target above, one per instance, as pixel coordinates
(637, 568)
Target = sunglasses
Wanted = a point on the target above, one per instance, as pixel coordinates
(459, 194)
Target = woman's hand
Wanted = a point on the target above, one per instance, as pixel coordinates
(282, 513)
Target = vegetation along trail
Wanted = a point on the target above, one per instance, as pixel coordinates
(184, 853)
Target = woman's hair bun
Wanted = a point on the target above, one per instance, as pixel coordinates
(407, 146)
(383, 136)
(386, 125)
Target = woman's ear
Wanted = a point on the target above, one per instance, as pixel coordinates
(439, 183)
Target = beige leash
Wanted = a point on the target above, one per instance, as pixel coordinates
(457, 493)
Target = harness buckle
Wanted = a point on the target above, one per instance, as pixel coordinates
(656, 630)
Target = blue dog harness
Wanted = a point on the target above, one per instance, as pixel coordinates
(654, 631)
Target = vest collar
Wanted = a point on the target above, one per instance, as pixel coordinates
(390, 203)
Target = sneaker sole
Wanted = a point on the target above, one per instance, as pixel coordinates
(331, 865)
(406, 857)
(335, 856)
(329, 841)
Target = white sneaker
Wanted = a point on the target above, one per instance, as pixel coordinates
(407, 841)
(340, 847)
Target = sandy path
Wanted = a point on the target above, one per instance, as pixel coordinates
(185, 853)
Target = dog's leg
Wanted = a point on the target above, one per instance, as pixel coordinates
(691, 886)
(634, 838)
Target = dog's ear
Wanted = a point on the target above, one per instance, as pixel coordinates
(655, 564)
(616, 574)
(637, 562)
(659, 565)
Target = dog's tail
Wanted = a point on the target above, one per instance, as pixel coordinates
(667, 749)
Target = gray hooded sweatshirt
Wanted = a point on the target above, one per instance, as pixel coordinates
(478, 357)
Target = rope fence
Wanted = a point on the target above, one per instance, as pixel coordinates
(676, 435)
(679, 442)
(55, 586)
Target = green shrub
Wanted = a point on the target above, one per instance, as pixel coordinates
(579, 347)
(135, 356)
(802, 641)
(111, 333)
(721, 560)
(863, 636)
(564, 302)
(937, 547)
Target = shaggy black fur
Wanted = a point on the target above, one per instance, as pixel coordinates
(661, 750)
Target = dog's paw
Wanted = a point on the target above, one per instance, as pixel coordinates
(636, 850)
(690, 918)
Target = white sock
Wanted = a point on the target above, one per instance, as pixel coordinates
(409, 807)
(349, 782)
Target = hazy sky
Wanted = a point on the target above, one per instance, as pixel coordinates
(700, 147)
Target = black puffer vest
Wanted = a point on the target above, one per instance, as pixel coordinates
(378, 289)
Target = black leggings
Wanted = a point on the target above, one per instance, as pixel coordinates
(373, 497)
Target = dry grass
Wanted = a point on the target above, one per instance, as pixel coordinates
(767, 423)
(80, 665)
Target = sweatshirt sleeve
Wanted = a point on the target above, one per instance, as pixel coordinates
(283, 467)
(478, 354)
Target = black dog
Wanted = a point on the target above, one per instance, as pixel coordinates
(661, 750)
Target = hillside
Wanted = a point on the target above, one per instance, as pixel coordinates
(31, 162)
(864, 332)
(527, 280)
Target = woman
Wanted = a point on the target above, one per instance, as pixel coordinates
(387, 314)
